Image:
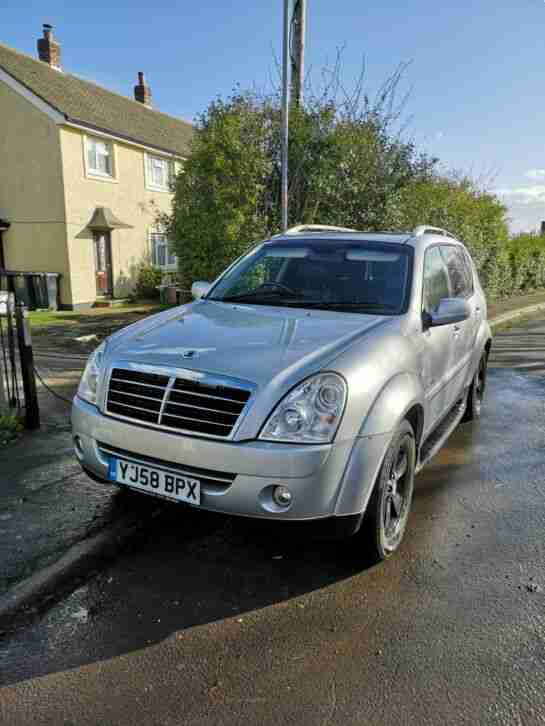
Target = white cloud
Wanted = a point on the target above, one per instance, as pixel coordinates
(524, 196)
(535, 174)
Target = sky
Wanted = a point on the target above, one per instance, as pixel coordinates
(475, 76)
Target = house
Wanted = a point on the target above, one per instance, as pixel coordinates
(84, 175)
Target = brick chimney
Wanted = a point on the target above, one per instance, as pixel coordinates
(49, 51)
(142, 92)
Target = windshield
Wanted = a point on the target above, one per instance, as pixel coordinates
(349, 276)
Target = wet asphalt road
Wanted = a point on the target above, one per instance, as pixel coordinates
(212, 621)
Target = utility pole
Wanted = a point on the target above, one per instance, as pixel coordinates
(285, 115)
(297, 51)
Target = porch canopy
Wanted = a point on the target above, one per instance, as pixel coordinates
(104, 220)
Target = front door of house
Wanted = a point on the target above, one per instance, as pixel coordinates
(103, 263)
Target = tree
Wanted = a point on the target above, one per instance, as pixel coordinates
(220, 194)
(526, 255)
(346, 167)
(475, 216)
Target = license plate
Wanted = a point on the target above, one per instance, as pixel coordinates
(161, 482)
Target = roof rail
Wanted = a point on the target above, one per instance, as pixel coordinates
(316, 228)
(426, 229)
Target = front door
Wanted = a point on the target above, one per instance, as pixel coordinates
(438, 349)
(461, 286)
(103, 264)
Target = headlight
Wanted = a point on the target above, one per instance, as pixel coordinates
(88, 386)
(310, 413)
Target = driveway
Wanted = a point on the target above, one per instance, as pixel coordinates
(216, 621)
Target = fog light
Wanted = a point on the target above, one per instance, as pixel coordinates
(282, 496)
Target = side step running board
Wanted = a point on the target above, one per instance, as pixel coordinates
(440, 434)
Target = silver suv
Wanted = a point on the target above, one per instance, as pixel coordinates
(310, 381)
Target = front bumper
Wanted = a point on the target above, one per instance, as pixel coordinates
(320, 477)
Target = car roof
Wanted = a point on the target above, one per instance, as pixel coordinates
(335, 237)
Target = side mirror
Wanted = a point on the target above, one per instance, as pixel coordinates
(199, 289)
(450, 310)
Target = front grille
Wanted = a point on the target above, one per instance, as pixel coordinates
(212, 482)
(173, 402)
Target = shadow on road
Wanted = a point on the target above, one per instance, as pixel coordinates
(196, 568)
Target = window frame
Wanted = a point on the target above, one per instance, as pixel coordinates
(169, 266)
(94, 173)
(171, 171)
(463, 256)
(470, 266)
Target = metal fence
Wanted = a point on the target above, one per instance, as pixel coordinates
(17, 378)
(9, 366)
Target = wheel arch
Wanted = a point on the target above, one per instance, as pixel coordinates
(400, 399)
(415, 416)
(403, 394)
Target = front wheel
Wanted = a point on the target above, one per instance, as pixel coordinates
(476, 392)
(388, 510)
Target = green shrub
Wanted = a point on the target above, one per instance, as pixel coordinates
(347, 166)
(148, 279)
(526, 253)
(9, 428)
(476, 217)
(344, 166)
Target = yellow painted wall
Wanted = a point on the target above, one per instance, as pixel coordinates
(128, 199)
(31, 189)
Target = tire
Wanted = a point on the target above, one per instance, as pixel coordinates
(476, 391)
(386, 517)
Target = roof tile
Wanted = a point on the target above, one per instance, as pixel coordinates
(86, 103)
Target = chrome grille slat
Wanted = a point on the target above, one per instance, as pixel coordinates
(137, 383)
(166, 414)
(174, 402)
(204, 408)
(136, 395)
(136, 408)
(207, 395)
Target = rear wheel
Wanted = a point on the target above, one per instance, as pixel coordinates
(388, 510)
(475, 394)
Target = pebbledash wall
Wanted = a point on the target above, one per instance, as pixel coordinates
(127, 197)
(31, 190)
(50, 199)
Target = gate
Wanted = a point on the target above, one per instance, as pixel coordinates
(9, 369)
(17, 379)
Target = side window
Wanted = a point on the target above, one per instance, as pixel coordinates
(461, 281)
(469, 268)
(436, 284)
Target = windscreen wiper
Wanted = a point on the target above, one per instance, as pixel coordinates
(340, 304)
(256, 295)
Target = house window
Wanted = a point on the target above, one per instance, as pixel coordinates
(159, 172)
(99, 157)
(161, 256)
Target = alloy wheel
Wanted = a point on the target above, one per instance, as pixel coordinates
(397, 494)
